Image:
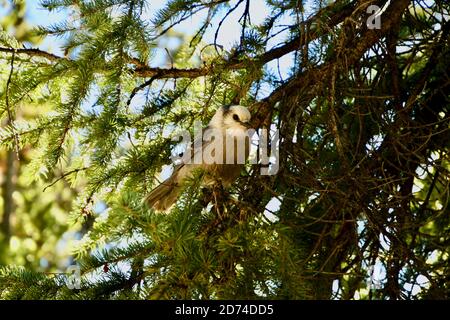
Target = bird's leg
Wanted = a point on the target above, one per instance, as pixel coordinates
(218, 198)
(206, 196)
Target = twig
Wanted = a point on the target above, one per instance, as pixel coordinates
(65, 175)
(245, 16)
(8, 107)
(170, 56)
(143, 70)
(187, 14)
(32, 52)
(216, 34)
(139, 88)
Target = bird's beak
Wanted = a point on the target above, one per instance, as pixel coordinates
(247, 125)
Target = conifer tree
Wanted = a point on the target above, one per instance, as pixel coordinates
(358, 207)
(32, 223)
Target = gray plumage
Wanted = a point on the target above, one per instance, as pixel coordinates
(230, 122)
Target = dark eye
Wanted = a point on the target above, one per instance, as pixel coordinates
(235, 117)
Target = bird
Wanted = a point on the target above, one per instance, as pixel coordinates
(220, 165)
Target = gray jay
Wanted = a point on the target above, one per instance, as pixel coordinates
(220, 154)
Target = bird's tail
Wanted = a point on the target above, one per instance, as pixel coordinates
(163, 196)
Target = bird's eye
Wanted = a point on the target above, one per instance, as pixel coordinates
(235, 117)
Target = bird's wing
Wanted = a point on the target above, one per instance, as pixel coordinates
(188, 163)
(193, 150)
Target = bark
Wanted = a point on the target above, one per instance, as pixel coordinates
(8, 187)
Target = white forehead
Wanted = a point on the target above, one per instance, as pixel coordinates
(241, 111)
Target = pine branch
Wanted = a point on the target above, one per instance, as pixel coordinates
(223, 20)
(333, 15)
(65, 174)
(338, 101)
(312, 78)
(33, 52)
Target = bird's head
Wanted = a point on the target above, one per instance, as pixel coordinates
(231, 117)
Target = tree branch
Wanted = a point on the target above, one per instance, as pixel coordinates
(34, 52)
(64, 175)
(8, 107)
(333, 15)
(313, 77)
